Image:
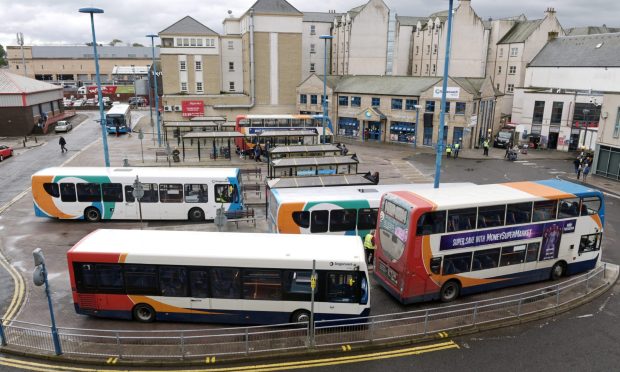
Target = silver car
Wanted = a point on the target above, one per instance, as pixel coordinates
(63, 126)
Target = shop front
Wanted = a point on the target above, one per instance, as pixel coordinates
(348, 127)
(403, 132)
(373, 124)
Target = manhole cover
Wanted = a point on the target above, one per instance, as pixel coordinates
(478, 161)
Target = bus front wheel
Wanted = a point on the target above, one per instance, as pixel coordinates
(92, 214)
(300, 316)
(450, 291)
(144, 313)
(196, 215)
(558, 270)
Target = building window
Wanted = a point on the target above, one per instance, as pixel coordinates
(512, 70)
(447, 110)
(474, 107)
(303, 99)
(417, 50)
(426, 69)
(497, 86)
(410, 104)
(430, 106)
(198, 65)
(231, 86)
(539, 110)
(185, 41)
(312, 48)
(514, 52)
(312, 67)
(617, 126)
(428, 49)
(199, 42)
(184, 87)
(434, 68)
(343, 100)
(312, 30)
(397, 104)
(435, 49)
(415, 69)
(313, 99)
(231, 45)
(192, 42)
(501, 52)
(199, 87)
(356, 101)
(179, 41)
(182, 66)
(460, 108)
(231, 66)
(375, 102)
(499, 70)
(510, 88)
(556, 112)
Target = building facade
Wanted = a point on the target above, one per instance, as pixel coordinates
(75, 64)
(313, 49)
(607, 154)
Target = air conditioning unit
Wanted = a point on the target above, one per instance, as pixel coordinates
(177, 108)
(167, 108)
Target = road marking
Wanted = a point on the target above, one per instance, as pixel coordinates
(346, 347)
(112, 360)
(418, 350)
(210, 360)
(443, 334)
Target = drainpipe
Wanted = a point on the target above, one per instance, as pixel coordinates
(252, 71)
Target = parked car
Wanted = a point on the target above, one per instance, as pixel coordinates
(91, 102)
(503, 138)
(137, 101)
(5, 152)
(78, 102)
(63, 126)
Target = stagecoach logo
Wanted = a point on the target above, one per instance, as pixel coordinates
(368, 113)
(332, 263)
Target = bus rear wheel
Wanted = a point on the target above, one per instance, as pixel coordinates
(300, 316)
(144, 313)
(196, 215)
(92, 214)
(558, 270)
(450, 291)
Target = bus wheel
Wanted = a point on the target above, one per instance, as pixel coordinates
(300, 316)
(144, 313)
(92, 214)
(558, 270)
(196, 215)
(450, 291)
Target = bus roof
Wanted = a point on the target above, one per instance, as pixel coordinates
(119, 108)
(146, 172)
(344, 193)
(221, 249)
(510, 192)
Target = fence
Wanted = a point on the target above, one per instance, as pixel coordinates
(244, 341)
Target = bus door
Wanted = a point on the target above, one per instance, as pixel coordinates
(199, 290)
(342, 288)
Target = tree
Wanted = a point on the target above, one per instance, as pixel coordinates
(137, 45)
(3, 61)
(90, 43)
(115, 41)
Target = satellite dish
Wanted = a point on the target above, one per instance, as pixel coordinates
(229, 12)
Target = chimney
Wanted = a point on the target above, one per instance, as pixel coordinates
(550, 11)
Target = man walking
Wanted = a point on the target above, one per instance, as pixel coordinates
(485, 146)
(62, 144)
(369, 247)
(457, 147)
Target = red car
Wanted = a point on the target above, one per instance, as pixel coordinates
(5, 152)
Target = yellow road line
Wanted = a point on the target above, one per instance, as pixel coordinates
(18, 290)
(262, 368)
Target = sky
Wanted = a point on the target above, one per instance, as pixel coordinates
(49, 22)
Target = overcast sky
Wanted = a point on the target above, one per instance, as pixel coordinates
(45, 22)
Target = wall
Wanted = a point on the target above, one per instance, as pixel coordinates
(611, 105)
(402, 50)
(234, 55)
(595, 78)
(16, 121)
(321, 28)
(368, 44)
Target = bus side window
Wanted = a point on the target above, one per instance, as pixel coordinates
(302, 219)
(320, 221)
(590, 206)
(225, 283)
(431, 223)
(173, 281)
(545, 210)
(342, 219)
(224, 193)
(435, 265)
(491, 216)
(141, 279)
(569, 208)
(109, 277)
(129, 194)
(150, 193)
(199, 283)
(51, 189)
(367, 218)
(342, 287)
(590, 243)
(88, 192)
(67, 192)
(486, 259)
(112, 192)
(196, 193)
(85, 276)
(457, 263)
(519, 213)
(462, 219)
(171, 193)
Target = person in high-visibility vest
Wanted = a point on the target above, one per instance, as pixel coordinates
(369, 247)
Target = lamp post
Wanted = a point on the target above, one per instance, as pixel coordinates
(104, 134)
(156, 92)
(148, 75)
(135, 91)
(325, 38)
(417, 117)
(442, 115)
(39, 277)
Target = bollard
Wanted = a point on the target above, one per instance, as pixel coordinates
(2, 337)
(35, 139)
(119, 347)
(182, 347)
(247, 342)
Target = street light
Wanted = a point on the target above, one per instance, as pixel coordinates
(104, 134)
(135, 91)
(148, 75)
(156, 89)
(442, 115)
(39, 278)
(417, 117)
(325, 38)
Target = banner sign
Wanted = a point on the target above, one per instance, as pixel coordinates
(452, 93)
(105, 89)
(192, 108)
(506, 234)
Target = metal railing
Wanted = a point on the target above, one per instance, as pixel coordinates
(243, 341)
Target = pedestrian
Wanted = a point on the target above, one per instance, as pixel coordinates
(508, 148)
(62, 144)
(457, 147)
(485, 146)
(586, 171)
(369, 247)
(576, 164)
(449, 151)
(345, 150)
(117, 127)
(257, 152)
(579, 170)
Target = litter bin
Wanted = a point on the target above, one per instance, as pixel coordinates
(175, 156)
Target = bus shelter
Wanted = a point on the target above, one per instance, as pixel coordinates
(218, 149)
(287, 137)
(216, 119)
(176, 129)
(294, 167)
(303, 151)
(325, 181)
(228, 126)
